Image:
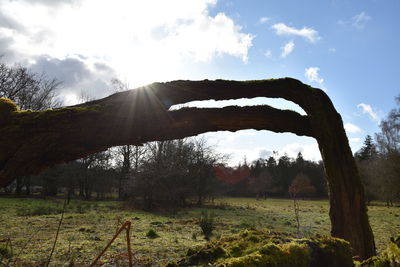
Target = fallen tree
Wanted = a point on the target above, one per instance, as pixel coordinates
(33, 141)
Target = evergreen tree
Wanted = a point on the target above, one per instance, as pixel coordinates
(367, 151)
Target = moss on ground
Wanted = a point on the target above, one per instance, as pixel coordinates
(390, 257)
(266, 248)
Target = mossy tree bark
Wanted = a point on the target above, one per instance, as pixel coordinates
(33, 141)
(348, 211)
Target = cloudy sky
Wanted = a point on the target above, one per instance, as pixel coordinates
(349, 48)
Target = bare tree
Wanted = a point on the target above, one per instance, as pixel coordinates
(203, 158)
(91, 166)
(301, 185)
(29, 90)
(175, 173)
(128, 159)
(389, 138)
(388, 141)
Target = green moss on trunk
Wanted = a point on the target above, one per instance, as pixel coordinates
(7, 106)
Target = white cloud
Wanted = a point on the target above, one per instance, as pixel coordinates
(265, 153)
(71, 99)
(354, 140)
(263, 20)
(309, 151)
(236, 155)
(144, 41)
(252, 144)
(332, 50)
(367, 109)
(268, 53)
(360, 20)
(209, 37)
(287, 49)
(312, 75)
(78, 76)
(351, 128)
(307, 33)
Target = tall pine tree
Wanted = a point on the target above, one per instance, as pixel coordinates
(367, 151)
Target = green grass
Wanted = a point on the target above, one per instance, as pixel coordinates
(88, 226)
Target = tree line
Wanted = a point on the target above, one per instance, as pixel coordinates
(379, 160)
(274, 176)
(173, 173)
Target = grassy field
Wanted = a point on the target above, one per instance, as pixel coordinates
(31, 225)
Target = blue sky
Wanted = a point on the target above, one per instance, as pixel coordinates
(348, 48)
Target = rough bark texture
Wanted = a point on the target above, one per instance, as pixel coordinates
(33, 141)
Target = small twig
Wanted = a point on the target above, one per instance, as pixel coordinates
(128, 242)
(127, 227)
(297, 217)
(58, 231)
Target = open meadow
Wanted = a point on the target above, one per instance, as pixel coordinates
(28, 227)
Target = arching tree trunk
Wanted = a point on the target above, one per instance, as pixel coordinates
(348, 211)
(33, 141)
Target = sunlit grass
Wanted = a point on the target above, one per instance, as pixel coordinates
(88, 226)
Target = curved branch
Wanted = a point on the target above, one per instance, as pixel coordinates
(178, 92)
(43, 139)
